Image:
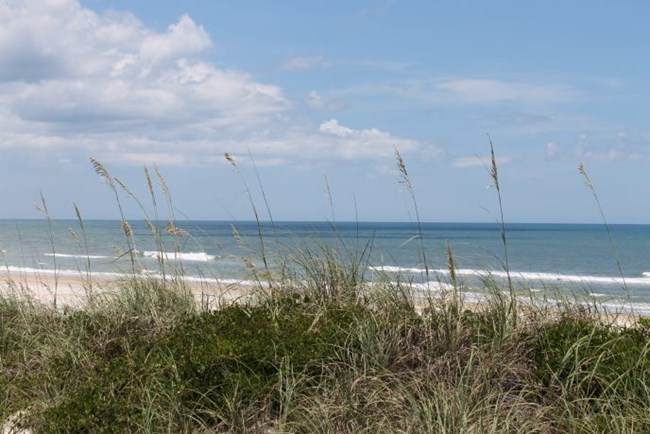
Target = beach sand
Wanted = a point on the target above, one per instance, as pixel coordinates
(73, 291)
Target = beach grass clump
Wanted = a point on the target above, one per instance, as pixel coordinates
(591, 369)
(53, 361)
(325, 274)
(235, 357)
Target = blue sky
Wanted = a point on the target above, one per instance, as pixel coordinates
(328, 89)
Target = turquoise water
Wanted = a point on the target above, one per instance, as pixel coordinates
(541, 257)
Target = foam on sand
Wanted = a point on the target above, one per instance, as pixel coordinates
(524, 275)
(67, 255)
(180, 256)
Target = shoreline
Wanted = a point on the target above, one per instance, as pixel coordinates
(73, 291)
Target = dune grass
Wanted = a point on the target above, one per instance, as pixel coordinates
(306, 360)
(318, 348)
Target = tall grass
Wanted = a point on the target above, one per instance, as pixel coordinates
(405, 180)
(260, 234)
(42, 208)
(126, 227)
(494, 174)
(614, 252)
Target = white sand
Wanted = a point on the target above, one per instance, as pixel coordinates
(74, 291)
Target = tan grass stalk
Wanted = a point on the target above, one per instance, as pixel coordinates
(405, 180)
(612, 245)
(494, 174)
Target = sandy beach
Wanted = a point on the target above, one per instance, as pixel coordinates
(73, 291)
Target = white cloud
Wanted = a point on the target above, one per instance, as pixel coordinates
(331, 140)
(316, 101)
(616, 149)
(110, 87)
(77, 83)
(70, 77)
(304, 63)
(552, 150)
(469, 91)
(476, 90)
(477, 161)
(333, 127)
(366, 143)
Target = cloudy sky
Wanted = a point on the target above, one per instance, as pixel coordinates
(326, 90)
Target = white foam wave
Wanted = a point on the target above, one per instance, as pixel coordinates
(180, 256)
(66, 255)
(395, 269)
(432, 286)
(525, 275)
(22, 271)
(637, 308)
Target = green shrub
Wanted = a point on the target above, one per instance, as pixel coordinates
(239, 350)
(591, 361)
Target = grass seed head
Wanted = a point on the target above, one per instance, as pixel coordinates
(126, 227)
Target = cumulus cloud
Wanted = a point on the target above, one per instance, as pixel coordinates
(109, 73)
(107, 82)
(363, 143)
(77, 82)
(332, 140)
(620, 148)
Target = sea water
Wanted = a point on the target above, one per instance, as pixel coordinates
(611, 264)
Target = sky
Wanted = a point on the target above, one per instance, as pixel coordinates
(312, 98)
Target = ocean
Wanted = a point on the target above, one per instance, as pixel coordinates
(579, 259)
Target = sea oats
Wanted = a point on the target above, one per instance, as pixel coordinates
(451, 265)
(230, 158)
(174, 230)
(126, 227)
(150, 186)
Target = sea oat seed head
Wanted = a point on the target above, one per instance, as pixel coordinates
(230, 158)
(126, 227)
(174, 230)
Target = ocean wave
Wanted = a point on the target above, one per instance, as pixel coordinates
(144, 273)
(432, 286)
(66, 255)
(524, 275)
(180, 256)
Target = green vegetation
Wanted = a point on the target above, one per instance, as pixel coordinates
(318, 349)
(150, 360)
